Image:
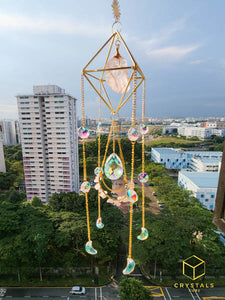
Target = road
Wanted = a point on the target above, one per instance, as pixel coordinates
(109, 292)
(188, 294)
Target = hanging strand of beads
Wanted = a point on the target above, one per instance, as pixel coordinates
(143, 177)
(132, 195)
(83, 133)
(98, 169)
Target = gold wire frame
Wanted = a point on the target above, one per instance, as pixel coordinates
(137, 78)
(134, 67)
(98, 75)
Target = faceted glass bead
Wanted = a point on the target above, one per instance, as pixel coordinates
(129, 267)
(85, 187)
(89, 248)
(143, 177)
(133, 133)
(83, 132)
(144, 234)
(99, 127)
(117, 79)
(132, 195)
(97, 186)
(97, 170)
(103, 194)
(113, 167)
(143, 129)
(99, 223)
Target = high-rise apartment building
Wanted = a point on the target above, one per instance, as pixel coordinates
(48, 131)
(10, 132)
(2, 160)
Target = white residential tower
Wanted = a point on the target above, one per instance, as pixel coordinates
(48, 130)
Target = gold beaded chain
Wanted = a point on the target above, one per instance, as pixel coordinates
(84, 156)
(132, 162)
(143, 156)
(99, 150)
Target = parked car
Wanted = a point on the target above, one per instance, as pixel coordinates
(78, 290)
(150, 184)
(154, 194)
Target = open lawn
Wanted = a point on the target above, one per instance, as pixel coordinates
(167, 140)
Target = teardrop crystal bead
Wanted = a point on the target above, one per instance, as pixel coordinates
(113, 167)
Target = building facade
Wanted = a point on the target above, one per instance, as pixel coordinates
(179, 159)
(2, 158)
(199, 132)
(48, 130)
(203, 186)
(9, 130)
(202, 164)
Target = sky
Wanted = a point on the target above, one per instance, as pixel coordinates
(179, 45)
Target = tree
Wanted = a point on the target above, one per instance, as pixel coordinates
(132, 289)
(35, 201)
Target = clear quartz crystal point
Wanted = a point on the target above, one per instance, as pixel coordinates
(129, 267)
(117, 79)
(89, 248)
(99, 223)
(144, 234)
(113, 167)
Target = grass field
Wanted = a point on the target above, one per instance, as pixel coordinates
(166, 140)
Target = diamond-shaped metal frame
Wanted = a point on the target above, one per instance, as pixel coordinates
(93, 74)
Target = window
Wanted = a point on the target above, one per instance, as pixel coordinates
(202, 195)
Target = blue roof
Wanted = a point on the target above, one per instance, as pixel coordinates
(203, 179)
(205, 153)
(166, 150)
(210, 160)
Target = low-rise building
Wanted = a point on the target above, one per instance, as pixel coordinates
(203, 186)
(170, 129)
(202, 164)
(191, 131)
(179, 159)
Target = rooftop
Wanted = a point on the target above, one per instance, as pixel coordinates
(211, 154)
(167, 150)
(205, 160)
(203, 179)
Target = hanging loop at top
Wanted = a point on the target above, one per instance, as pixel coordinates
(116, 26)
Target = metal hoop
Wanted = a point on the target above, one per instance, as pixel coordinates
(119, 29)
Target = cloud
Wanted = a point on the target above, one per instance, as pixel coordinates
(157, 47)
(172, 52)
(8, 111)
(164, 34)
(49, 25)
(196, 62)
(222, 63)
